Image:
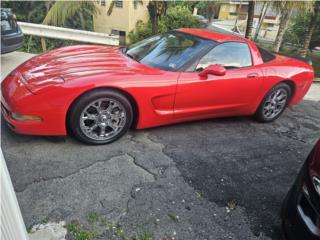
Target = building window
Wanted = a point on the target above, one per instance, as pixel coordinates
(119, 4)
(103, 2)
(232, 8)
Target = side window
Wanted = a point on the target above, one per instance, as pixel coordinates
(230, 55)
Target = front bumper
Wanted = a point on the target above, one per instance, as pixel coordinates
(300, 213)
(15, 97)
(30, 128)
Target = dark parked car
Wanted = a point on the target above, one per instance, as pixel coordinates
(11, 34)
(301, 208)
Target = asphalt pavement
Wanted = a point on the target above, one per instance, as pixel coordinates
(214, 179)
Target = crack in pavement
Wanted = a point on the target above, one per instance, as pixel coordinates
(41, 180)
(141, 166)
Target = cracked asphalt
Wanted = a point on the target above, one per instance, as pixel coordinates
(214, 179)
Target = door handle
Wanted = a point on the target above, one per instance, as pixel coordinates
(252, 75)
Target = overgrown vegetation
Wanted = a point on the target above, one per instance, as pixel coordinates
(176, 17)
(36, 11)
(297, 30)
(80, 232)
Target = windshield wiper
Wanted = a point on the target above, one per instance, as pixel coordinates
(131, 56)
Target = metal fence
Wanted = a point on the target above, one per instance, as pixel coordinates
(46, 31)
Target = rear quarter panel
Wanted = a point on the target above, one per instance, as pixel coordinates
(282, 69)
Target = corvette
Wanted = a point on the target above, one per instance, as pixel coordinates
(96, 93)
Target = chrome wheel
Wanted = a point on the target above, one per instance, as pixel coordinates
(102, 119)
(275, 103)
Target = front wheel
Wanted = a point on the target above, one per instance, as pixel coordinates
(100, 117)
(274, 103)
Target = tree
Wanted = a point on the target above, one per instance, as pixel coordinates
(310, 29)
(261, 18)
(61, 11)
(208, 8)
(180, 17)
(177, 16)
(156, 10)
(286, 8)
(250, 20)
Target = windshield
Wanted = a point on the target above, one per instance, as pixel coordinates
(168, 51)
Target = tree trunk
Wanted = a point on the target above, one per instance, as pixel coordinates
(43, 44)
(236, 21)
(261, 18)
(308, 36)
(82, 22)
(153, 16)
(250, 20)
(210, 13)
(282, 29)
(43, 40)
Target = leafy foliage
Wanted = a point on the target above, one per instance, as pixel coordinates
(206, 8)
(176, 17)
(36, 11)
(180, 17)
(27, 11)
(62, 11)
(297, 30)
(144, 30)
(79, 233)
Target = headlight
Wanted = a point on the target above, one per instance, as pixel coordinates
(316, 183)
(25, 118)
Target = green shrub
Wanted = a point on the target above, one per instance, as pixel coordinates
(298, 29)
(180, 17)
(176, 17)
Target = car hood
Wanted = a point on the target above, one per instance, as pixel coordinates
(75, 61)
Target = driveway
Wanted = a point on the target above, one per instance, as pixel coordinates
(214, 179)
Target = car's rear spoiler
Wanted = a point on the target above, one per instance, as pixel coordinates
(305, 60)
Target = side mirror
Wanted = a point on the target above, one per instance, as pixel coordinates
(213, 70)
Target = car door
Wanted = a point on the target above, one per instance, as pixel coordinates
(233, 93)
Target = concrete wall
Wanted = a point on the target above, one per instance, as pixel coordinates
(121, 19)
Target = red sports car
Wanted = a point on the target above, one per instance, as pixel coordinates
(96, 93)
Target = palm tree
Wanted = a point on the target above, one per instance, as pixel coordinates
(311, 27)
(250, 20)
(61, 11)
(261, 18)
(286, 8)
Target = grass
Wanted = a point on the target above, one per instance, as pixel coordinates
(92, 218)
(79, 233)
(144, 236)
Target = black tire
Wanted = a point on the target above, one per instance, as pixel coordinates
(77, 108)
(260, 116)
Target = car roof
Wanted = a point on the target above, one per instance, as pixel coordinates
(215, 36)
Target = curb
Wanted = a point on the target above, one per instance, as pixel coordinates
(317, 80)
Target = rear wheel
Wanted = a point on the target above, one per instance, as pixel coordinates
(274, 103)
(100, 117)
